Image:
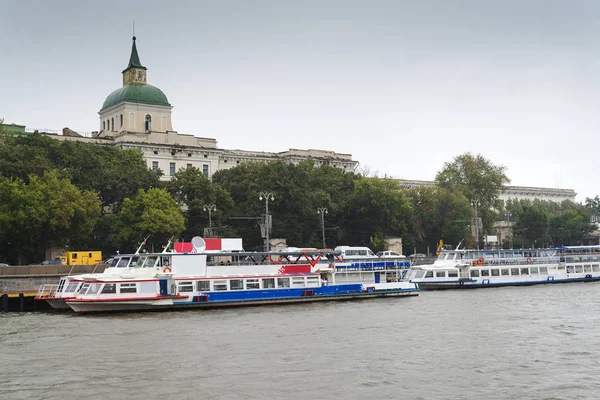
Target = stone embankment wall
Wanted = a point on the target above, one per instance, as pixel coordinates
(28, 279)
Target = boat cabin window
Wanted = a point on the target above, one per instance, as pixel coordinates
(123, 261)
(543, 270)
(150, 261)
(514, 271)
(474, 273)
(94, 288)
(114, 262)
(128, 288)
(165, 260)
(220, 285)
(534, 270)
(185, 286)
(485, 272)
(313, 281)
(109, 288)
(71, 287)
(298, 281)
(596, 268)
(440, 274)
(505, 271)
(84, 288)
(429, 274)
(452, 274)
(268, 283)
(495, 272)
(252, 284)
(524, 271)
(578, 269)
(236, 284)
(283, 282)
(587, 268)
(203, 286)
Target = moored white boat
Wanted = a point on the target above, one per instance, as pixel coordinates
(462, 269)
(202, 280)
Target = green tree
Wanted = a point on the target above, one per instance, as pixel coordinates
(193, 191)
(151, 213)
(531, 227)
(569, 227)
(47, 211)
(477, 179)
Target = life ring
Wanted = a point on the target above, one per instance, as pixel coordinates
(167, 269)
(529, 260)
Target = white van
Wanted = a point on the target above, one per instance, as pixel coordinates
(351, 252)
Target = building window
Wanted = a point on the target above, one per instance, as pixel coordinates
(112, 123)
(189, 154)
(148, 123)
(172, 168)
(155, 166)
(132, 121)
(155, 151)
(103, 125)
(163, 122)
(121, 117)
(205, 170)
(206, 156)
(189, 165)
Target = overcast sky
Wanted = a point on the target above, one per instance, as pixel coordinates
(403, 86)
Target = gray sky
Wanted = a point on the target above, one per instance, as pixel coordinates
(403, 86)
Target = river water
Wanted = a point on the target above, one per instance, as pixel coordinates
(539, 342)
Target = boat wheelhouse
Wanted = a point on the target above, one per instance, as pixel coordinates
(459, 269)
(205, 280)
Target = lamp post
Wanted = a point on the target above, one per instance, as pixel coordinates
(322, 211)
(508, 215)
(210, 208)
(476, 203)
(267, 196)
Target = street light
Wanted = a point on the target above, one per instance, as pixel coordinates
(476, 203)
(267, 196)
(322, 211)
(210, 208)
(508, 215)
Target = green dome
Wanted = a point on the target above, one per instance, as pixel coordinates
(136, 93)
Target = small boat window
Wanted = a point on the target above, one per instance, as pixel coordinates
(220, 285)
(429, 274)
(203, 286)
(150, 261)
(534, 270)
(283, 282)
(84, 288)
(514, 271)
(313, 281)
(114, 262)
(236, 284)
(543, 270)
(419, 274)
(485, 272)
(268, 283)
(134, 262)
(504, 271)
(109, 288)
(252, 284)
(128, 288)
(578, 269)
(596, 268)
(71, 287)
(185, 286)
(94, 288)
(452, 274)
(474, 273)
(495, 272)
(524, 271)
(440, 274)
(298, 281)
(123, 261)
(587, 268)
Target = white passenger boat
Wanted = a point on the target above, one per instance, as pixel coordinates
(461, 269)
(207, 280)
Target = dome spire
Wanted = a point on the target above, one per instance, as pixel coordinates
(134, 59)
(135, 73)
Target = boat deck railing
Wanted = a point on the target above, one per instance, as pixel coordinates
(47, 291)
(371, 266)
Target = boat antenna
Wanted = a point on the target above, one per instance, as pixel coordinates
(141, 245)
(458, 246)
(168, 244)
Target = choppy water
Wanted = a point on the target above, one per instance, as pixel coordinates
(539, 342)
